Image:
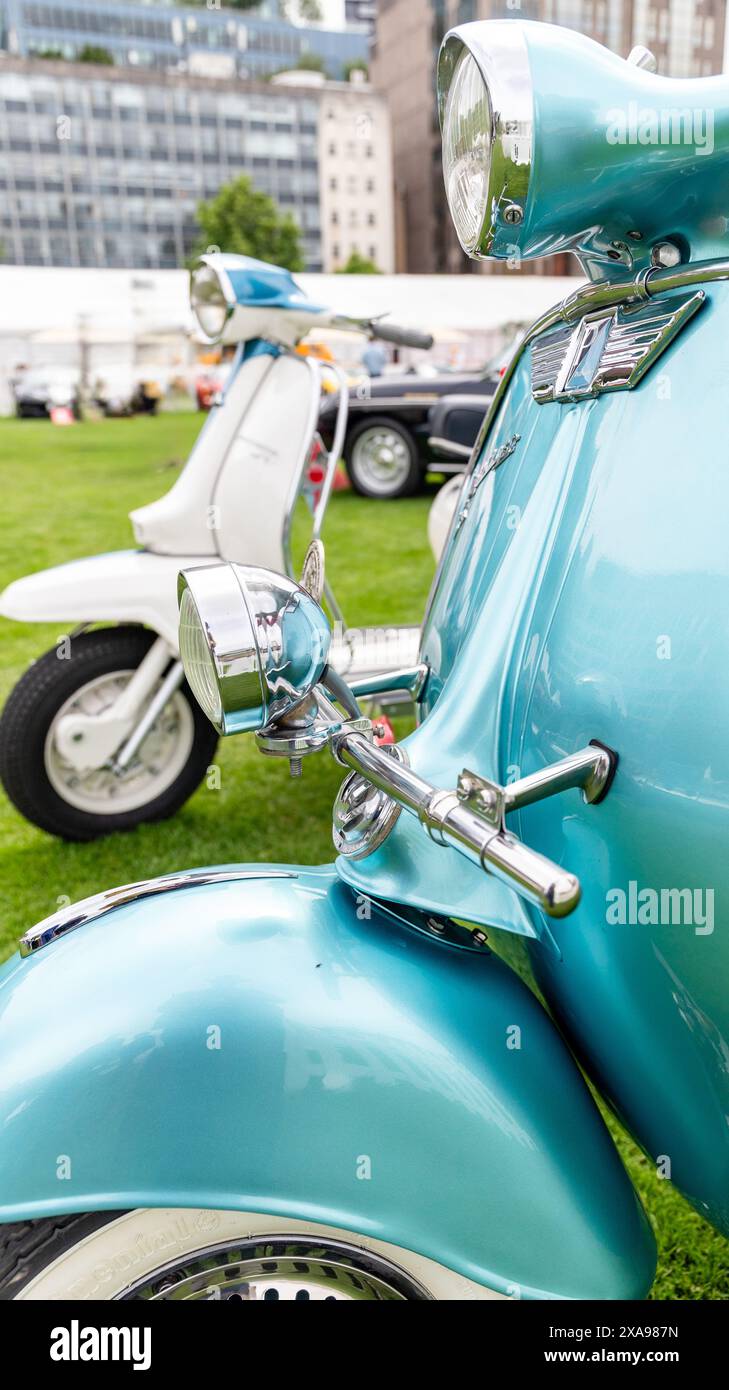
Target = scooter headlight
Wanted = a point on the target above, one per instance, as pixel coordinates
(252, 643)
(485, 106)
(210, 303)
(467, 150)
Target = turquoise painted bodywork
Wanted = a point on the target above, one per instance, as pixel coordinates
(343, 1036)
(592, 603)
(587, 601)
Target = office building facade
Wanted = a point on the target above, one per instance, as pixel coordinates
(204, 39)
(105, 166)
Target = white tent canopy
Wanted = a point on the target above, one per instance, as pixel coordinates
(465, 303)
(126, 303)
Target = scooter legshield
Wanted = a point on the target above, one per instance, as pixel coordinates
(277, 1045)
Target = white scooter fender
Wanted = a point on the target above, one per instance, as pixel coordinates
(124, 586)
(130, 586)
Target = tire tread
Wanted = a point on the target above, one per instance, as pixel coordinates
(27, 1247)
(26, 717)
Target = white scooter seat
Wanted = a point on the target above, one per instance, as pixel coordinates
(124, 586)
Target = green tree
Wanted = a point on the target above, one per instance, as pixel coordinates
(359, 265)
(240, 219)
(357, 65)
(94, 53)
(310, 10)
(306, 62)
(311, 62)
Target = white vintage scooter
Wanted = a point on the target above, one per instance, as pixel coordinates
(101, 733)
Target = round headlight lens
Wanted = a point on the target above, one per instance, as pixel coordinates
(467, 150)
(208, 301)
(198, 660)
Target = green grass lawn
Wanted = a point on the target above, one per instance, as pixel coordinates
(66, 493)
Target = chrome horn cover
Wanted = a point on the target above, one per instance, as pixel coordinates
(363, 814)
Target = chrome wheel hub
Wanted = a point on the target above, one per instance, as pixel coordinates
(279, 1269)
(157, 763)
(382, 459)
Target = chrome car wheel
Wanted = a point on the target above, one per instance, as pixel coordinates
(381, 461)
(276, 1270)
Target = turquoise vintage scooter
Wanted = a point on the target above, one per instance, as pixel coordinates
(283, 1082)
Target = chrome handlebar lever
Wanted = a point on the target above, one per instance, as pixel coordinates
(471, 818)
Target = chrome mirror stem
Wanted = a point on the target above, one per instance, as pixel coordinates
(471, 819)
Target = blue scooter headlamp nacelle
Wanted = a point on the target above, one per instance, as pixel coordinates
(553, 143)
(231, 298)
(253, 644)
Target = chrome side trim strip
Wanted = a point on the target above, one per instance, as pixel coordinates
(91, 909)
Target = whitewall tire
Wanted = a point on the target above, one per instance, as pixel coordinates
(168, 1253)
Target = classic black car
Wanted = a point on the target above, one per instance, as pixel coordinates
(392, 420)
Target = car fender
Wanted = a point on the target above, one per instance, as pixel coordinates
(274, 1044)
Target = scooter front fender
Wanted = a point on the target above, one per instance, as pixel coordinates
(124, 586)
(276, 1045)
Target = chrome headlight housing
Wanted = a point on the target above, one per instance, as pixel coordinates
(253, 644)
(485, 105)
(237, 298)
(212, 299)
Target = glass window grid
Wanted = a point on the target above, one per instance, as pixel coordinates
(87, 166)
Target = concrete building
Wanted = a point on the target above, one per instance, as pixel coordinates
(207, 39)
(356, 15)
(105, 166)
(361, 12)
(355, 175)
(687, 37)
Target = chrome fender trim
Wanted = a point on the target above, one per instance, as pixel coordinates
(67, 919)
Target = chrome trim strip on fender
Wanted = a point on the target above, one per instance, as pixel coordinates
(91, 909)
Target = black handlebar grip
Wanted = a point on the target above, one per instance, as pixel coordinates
(404, 337)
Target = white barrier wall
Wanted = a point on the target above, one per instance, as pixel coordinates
(50, 316)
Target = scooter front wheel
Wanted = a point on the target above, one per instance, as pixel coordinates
(205, 1255)
(86, 679)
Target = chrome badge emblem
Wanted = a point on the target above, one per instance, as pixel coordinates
(487, 465)
(609, 350)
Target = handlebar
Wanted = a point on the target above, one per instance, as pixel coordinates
(450, 822)
(403, 337)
